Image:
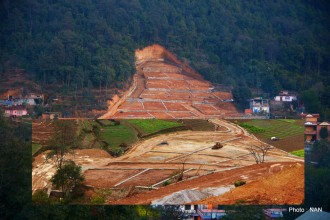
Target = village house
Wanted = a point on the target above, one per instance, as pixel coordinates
(15, 111)
(31, 99)
(313, 127)
(259, 105)
(286, 96)
(204, 214)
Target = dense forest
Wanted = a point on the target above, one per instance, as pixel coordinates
(264, 45)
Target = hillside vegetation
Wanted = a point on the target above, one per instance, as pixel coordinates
(80, 45)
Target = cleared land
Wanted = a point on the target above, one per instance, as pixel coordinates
(165, 88)
(277, 188)
(170, 163)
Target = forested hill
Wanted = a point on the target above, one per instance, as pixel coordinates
(269, 45)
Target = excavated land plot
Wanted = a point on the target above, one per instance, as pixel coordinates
(164, 84)
(219, 179)
(43, 170)
(108, 179)
(41, 130)
(156, 160)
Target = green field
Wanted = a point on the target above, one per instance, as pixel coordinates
(289, 131)
(35, 148)
(281, 128)
(299, 153)
(148, 126)
(118, 134)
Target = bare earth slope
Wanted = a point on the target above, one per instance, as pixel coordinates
(278, 188)
(280, 183)
(165, 88)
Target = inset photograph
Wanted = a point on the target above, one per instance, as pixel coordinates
(168, 162)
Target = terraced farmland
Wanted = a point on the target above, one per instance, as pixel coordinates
(290, 132)
(280, 128)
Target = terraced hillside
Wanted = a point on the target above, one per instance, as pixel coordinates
(165, 88)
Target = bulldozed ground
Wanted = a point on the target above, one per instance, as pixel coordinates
(176, 167)
(165, 88)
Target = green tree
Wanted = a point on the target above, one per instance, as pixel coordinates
(40, 197)
(170, 212)
(321, 152)
(241, 94)
(324, 133)
(244, 212)
(15, 167)
(68, 177)
(63, 139)
(311, 101)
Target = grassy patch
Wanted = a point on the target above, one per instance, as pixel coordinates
(299, 153)
(252, 128)
(152, 125)
(116, 135)
(35, 148)
(281, 128)
(288, 120)
(289, 131)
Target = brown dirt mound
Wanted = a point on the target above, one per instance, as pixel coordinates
(284, 187)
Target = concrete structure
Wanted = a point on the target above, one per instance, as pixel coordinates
(204, 214)
(274, 213)
(24, 101)
(259, 105)
(6, 102)
(15, 111)
(285, 96)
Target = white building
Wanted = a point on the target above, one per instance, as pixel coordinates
(285, 96)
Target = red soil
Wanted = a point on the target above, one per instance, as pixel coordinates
(252, 172)
(162, 79)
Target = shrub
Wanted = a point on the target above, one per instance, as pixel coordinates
(252, 128)
(40, 197)
(97, 200)
(166, 183)
(239, 183)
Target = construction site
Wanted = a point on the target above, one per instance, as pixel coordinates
(165, 88)
(182, 166)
